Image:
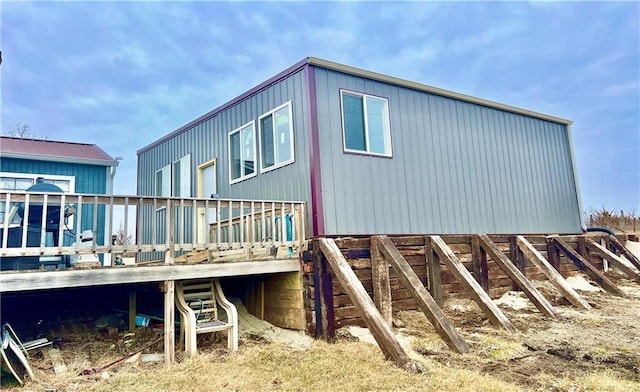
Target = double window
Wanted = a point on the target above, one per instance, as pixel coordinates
(365, 124)
(276, 138)
(242, 153)
(175, 179)
(22, 181)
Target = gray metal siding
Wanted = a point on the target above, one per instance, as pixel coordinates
(457, 167)
(209, 139)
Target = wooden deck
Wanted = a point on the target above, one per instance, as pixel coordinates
(15, 281)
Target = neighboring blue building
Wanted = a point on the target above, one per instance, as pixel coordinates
(372, 153)
(73, 167)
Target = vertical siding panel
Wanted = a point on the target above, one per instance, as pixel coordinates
(456, 166)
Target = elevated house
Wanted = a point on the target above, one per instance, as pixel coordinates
(309, 186)
(74, 168)
(371, 153)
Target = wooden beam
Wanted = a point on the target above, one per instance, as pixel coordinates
(381, 285)
(586, 267)
(427, 304)
(325, 317)
(516, 258)
(507, 266)
(626, 252)
(613, 259)
(553, 255)
(551, 273)
(43, 280)
(364, 305)
(434, 272)
(132, 311)
(480, 268)
(490, 309)
(169, 321)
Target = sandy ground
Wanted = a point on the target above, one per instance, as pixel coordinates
(545, 354)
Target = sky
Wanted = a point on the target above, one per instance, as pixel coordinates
(123, 74)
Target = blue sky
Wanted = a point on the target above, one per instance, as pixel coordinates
(122, 75)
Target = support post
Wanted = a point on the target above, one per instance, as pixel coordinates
(434, 272)
(490, 309)
(427, 304)
(325, 318)
(516, 258)
(480, 268)
(551, 273)
(381, 285)
(507, 266)
(169, 322)
(132, 311)
(553, 254)
(586, 267)
(363, 303)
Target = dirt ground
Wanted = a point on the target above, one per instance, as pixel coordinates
(545, 354)
(594, 350)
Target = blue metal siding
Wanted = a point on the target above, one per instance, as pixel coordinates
(457, 167)
(90, 179)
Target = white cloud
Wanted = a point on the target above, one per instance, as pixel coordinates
(621, 89)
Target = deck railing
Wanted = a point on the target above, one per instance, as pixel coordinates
(145, 225)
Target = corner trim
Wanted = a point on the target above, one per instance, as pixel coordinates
(317, 204)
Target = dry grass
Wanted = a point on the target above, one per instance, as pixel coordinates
(352, 366)
(595, 350)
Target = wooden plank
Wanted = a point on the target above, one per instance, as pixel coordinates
(427, 304)
(613, 259)
(43, 280)
(551, 273)
(534, 295)
(479, 260)
(586, 267)
(169, 320)
(323, 282)
(490, 309)
(373, 319)
(380, 278)
(434, 273)
(626, 252)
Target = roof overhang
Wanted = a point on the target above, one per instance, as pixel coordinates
(318, 62)
(51, 158)
(433, 90)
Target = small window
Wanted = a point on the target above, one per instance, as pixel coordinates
(365, 124)
(276, 138)
(163, 182)
(242, 153)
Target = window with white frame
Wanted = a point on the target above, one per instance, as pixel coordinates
(22, 181)
(276, 138)
(181, 177)
(163, 182)
(365, 124)
(242, 153)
